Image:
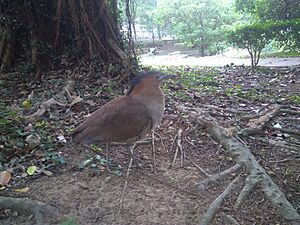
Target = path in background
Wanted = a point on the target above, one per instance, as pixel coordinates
(184, 59)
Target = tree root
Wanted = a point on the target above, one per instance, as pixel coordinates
(216, 204)
(243, 156)
(256, 125)
(27, 206)
(229, 219)
(214, 178)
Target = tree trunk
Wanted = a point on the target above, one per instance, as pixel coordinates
(202, 46)
(87, 29)
(159, 32)
(8, 49)
(153, 37)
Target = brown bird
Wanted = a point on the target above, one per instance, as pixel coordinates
(127, 118)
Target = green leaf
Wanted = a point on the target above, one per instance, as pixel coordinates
(26, 104)
(31, 170)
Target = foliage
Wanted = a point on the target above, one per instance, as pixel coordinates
(197, 23)
(264, 10)
(255, 37)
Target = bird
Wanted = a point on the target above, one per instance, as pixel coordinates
(127, 118)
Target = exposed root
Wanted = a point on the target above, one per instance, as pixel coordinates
(214, 178)
(242, 155)
(208, 217)
(256, 125)
(26, 206)
(230, 220)
(251, 182)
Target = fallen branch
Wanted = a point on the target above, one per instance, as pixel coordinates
(27, 206)
(216, 204)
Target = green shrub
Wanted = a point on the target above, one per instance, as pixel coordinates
(256, 36)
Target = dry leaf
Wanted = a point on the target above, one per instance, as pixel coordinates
(5, 177)
(22, 190)
(76, 100)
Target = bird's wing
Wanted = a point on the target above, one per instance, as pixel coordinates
(121, 119)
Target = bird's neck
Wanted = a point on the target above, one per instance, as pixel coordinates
(153, 94)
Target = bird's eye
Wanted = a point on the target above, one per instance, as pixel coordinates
(157, 77)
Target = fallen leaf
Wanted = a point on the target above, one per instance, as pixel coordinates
(277, 125)
(5, 177)
(2, 188)
(26, 104)
(61, 139)
(33, 140)
(22, 190)
(76, 100)
(31, 170)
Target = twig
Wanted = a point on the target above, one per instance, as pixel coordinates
(178, 148)
(216, 204)
(200, 169)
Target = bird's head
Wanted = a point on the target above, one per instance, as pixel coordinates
(150, 78)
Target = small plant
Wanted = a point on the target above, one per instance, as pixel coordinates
(294, 98)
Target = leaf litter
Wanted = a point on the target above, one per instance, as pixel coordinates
(234, 92)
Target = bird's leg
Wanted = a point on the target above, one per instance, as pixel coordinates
(107, 157)
(153, 150)
(132, 156)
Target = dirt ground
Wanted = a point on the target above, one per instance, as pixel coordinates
(91, 195)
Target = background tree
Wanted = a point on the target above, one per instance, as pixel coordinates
(198, 23)
(264, 10)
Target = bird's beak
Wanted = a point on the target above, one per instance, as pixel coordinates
(168, 76)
